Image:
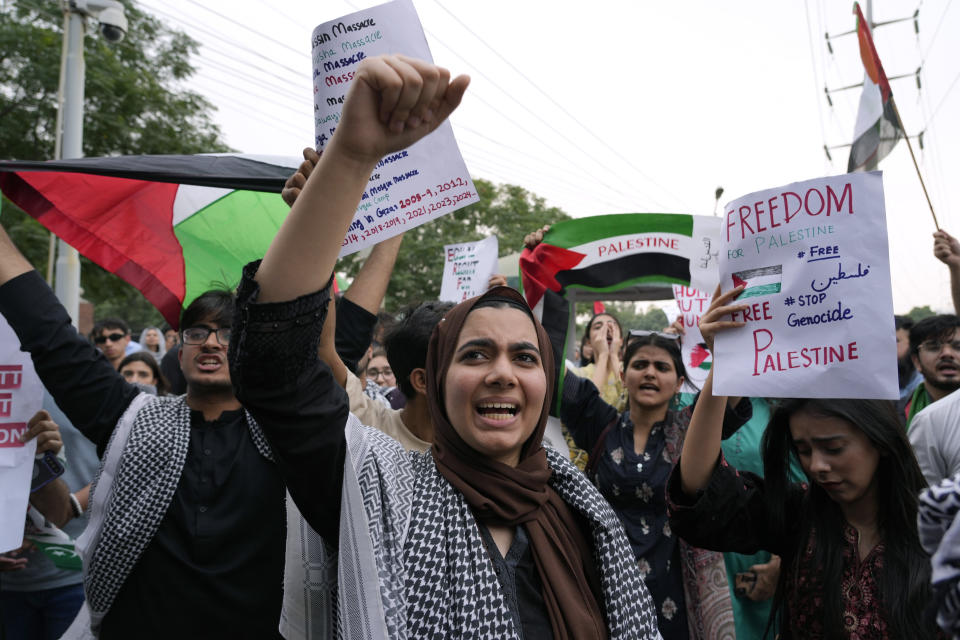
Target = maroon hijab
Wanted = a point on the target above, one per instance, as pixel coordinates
(502, 495)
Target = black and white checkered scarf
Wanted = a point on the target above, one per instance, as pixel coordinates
(939, 529)
(138, 476)
(412, 563)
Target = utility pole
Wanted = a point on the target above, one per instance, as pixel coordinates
(113, 26)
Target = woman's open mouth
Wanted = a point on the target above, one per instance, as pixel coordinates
(497, 410)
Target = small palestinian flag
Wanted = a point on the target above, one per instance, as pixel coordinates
(759, 282)
(171, 226)
(700, 357)
(878, 127)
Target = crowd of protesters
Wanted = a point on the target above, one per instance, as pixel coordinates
(290, 463)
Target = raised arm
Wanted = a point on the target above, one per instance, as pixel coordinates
(701, 447)
(344, 347)
(606, 356)
(84, 384)
(283, 303)
(393, 102)
(362, 301)
(12, 262)
(369, 286)
(947, 250)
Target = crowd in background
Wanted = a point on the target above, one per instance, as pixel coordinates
(282, 432)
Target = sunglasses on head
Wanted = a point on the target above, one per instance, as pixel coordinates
(642, 333)
(113, 337)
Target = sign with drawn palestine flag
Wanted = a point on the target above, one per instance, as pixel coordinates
(697, 359)
(814, 262)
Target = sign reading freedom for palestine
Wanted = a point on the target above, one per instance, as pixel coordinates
(409, 187)
(814, 260)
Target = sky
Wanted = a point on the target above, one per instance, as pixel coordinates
(616, 106)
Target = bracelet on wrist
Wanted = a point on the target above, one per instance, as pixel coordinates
(75, 506)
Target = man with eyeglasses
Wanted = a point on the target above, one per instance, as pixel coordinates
(112, 335)
(935, 350)
(187, 522)
(933, 414)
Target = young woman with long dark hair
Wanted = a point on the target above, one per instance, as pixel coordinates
(852, 565)
(631, 456)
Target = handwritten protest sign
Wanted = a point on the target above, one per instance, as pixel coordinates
(467, 268)
(412, 186)
(696, 358)
(813, 257)
(21, 396)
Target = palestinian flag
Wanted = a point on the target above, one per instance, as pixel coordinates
(878, 128)
(762, 281)
(700, 357)
(172, 226)
(609, 253)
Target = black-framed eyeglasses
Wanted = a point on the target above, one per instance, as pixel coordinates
(936, 346)
(375, 373)
(643, 333)
(113, 337)
(199, 335)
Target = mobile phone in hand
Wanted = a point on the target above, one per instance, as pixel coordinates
(46, 469)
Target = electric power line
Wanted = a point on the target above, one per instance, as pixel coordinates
(923, 58)
(529, 172)
(557, 104)
(299, 112)
(554, 150)
(813, 65)
(536, 117)
(299, 52)
(258, 82)
(180, 20)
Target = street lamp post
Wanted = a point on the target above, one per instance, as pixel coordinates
(113, 26)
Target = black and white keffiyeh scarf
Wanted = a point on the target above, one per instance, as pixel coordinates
(138, 477)
(939, 529)
(412, 563)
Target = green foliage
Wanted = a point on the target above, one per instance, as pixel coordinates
(507, 211)
(134, 104)
(653, 319)
(919, 313)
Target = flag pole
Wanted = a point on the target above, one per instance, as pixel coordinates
(914, 158)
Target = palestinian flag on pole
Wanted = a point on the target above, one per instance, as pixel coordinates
(878, 128)
(171, 226)
(610, 253)
(759, 282)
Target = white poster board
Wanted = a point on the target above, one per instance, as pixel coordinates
(467, 268)
(816, 265)
(409, 187)
(697, 359)
(21, 396)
